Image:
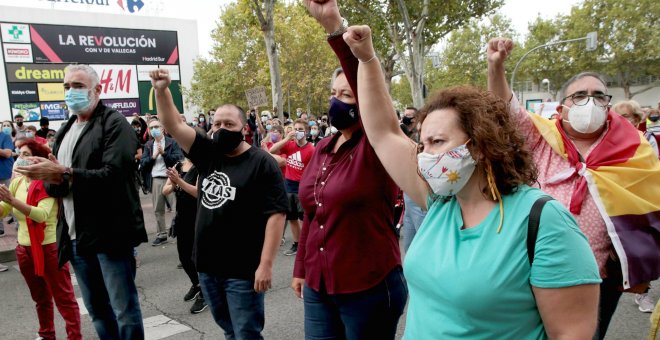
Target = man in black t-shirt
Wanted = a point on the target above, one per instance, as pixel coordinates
(240, 213)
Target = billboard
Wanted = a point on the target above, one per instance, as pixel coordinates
(91, 45)
(35, 56)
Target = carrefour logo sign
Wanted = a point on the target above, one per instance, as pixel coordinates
(131, 6)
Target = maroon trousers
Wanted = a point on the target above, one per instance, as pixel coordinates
(54, 285)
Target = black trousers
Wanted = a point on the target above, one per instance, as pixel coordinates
(185, 236)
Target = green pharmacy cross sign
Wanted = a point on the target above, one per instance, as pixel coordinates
(16, 32)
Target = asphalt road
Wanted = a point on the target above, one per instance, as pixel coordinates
(162, 286)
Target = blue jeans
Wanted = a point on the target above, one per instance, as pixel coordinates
(370, 314)
(107, 284)
(236, 307)
(413, 217)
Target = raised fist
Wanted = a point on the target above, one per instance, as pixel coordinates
(498, 50)
(358, 39)
(160, 79)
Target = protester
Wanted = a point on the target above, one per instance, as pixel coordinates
(6, 165)
(21, 128)
(240, 214)
(159, 154)
(36, 251)
(44, 122)
(473, 176)
(408, 123)
(314, 135)
(31, 133)
(596, 164)
(348, 266)
(653, 123)
(201, 122)
(9, 129)
(102, 218)
(631, 111)
(182, 180)
(297, 152)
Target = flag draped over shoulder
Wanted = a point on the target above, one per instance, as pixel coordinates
(622, 174)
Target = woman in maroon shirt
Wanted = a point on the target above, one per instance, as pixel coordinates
(348, 266)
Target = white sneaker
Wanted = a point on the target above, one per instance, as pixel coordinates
(3, 268)
(645, 302)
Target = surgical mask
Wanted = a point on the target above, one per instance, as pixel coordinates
(195, 122)
(275, 138)
(7, 130)
(156, 133)
(227, 141)
(342, 115)
(333, 130)
(268, 127)
(23, 162)
(447, 173)
(137, 130)
(300, 135)
(77, 100)
(264, 119)
(201, 119)
(29, 135)
(586, 118)
(654, 118)
(312, 123)
(314, 133)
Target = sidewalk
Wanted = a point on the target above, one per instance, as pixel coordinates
(8, 243)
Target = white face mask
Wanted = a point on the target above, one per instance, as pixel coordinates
(447, 173)
(586, 118)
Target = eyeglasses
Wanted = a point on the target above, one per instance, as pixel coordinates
(581, 99)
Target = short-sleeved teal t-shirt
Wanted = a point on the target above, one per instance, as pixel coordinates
(475, 283)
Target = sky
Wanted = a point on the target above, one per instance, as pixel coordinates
(206, 12)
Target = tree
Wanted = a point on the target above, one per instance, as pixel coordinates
(263, 9)
(629, 43)
(463, 60)
(421, 28)
(239, 62)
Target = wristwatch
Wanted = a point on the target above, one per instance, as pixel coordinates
(66, 176)
(342, 28)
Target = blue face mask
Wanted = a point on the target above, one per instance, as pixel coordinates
(312, 123)
(76, 99)
(268, 127)
(7, 130)
(156, 133)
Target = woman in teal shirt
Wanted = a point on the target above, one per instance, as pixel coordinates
(467, 268)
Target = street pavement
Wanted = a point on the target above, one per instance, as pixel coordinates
(162, 286)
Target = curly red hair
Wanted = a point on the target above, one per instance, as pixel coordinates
(37, 149)
(495, 139)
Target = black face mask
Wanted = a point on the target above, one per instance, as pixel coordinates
(407, 120)
(19, 124)
(654, 118)
(342, 115)
(227, 141)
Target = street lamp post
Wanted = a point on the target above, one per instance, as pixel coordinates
(591, 39)
(547, 81)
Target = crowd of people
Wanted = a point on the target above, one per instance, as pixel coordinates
(512, 225)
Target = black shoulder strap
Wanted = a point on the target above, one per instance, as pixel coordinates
(533, 226)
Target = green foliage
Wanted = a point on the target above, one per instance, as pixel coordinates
(239, 61)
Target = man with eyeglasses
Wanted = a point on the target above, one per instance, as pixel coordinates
(598, 165)
(160, 153)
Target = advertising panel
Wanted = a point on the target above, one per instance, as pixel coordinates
(49, 92)
(15, 33)
(17, 53)
(21, 92)
(36, 55)
(118, 81)
(54, 110)
(29, 111)
(148, 99)
(127, 107)
(30, 73)
(88, 45)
